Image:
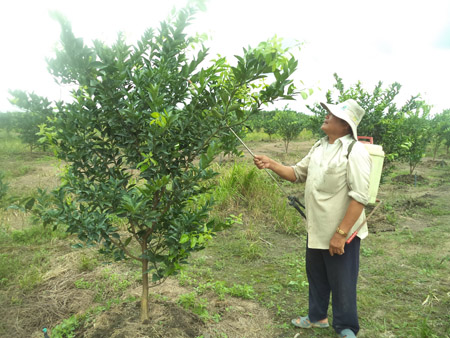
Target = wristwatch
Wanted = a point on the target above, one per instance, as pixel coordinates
(340, 232)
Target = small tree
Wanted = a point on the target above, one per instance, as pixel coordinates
(268, 123)
(288, 125)
(37, 110)
(440, 130)
(417, 132)
(446, 134)
(144, 127)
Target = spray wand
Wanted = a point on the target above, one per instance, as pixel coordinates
(293, 201)
(348, 241)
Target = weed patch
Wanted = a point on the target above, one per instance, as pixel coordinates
(244, 187)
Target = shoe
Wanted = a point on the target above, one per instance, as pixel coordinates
(347, 333)
(305, 323)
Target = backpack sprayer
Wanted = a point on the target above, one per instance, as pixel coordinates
(293, 201)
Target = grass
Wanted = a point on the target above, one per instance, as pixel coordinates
(403, 288)
(11, 145)
(25, 255)
(403, 284)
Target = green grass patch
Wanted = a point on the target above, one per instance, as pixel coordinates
(25, 255)
(109, 285)
(11, 145)
(245, 187)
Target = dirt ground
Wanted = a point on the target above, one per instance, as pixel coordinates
(57, 298)
(168, 319)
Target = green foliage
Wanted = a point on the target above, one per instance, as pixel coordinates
(8, 121)
(11, 147)
(440, 131)
(3, 188)
(26, 267)
(109, 285)
(288, 124)
(244, 291)
(244, 186)
(37, 110)
(145, 124)
(416, 131)
(67, 328)
(263, 121)
(270, 127)
(87, 263)
(384, 121)
(190, 301)
(198, 305)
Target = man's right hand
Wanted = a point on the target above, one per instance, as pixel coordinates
(262, 161)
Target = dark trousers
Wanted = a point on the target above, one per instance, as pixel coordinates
(337, 275)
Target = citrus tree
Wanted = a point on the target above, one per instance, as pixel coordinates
(440, 131)
(36, 110)
(288, 125)
(268, 124)
(417, 132)
(145, 124)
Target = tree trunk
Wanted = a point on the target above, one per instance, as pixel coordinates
(144, 297)
(436, 147)
(286, 145)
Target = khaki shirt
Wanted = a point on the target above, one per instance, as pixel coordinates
(332, 181)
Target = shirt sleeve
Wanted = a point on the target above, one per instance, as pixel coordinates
(301, 168)
(358, 173)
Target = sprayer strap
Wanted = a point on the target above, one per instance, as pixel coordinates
(350, 147)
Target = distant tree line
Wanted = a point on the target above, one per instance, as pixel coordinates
(35, 112)
(404, 131)
(286, 123)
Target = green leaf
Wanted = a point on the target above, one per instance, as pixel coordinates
(184, 238)
(127, 241)
(193, 242)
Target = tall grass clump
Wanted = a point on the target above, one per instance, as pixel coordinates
(11, 145)
(243, 189)
(3, 188)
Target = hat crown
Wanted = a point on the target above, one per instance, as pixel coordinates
(352, 110)
(349, 111)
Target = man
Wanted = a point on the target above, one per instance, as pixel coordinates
(336, 171)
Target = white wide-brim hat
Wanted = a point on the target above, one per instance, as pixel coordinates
(349, 111)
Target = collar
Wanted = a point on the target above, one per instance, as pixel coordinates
(344, 140)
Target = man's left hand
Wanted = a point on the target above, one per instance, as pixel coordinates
(337, 244)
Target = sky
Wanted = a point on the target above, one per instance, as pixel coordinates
(405, 41)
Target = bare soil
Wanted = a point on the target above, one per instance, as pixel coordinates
(168, 319)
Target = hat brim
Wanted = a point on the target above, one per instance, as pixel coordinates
(336, 111)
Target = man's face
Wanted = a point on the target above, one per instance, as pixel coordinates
(334, 126)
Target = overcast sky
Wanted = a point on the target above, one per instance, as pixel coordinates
(405, 41)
